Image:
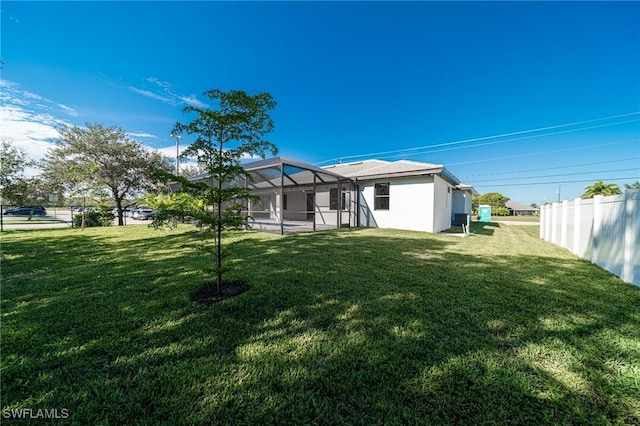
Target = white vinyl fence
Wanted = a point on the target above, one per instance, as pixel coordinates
(604, 230)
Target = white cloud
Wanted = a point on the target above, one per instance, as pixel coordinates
(141, 135)
(193, 101)
(162, 84)
(70, 111)
(29, 120)
(170, 151)
(153, 95)
(32, 132)
(163, 92)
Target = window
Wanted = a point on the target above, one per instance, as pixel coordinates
(381, 201)
(284, 202)
(333, 199)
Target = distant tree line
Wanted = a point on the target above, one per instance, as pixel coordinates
(497, 201)
(92, 162)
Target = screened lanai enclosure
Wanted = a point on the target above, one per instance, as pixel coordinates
(298, 197)
(294, 196)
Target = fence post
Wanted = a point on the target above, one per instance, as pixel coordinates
(564, 224)
(543, 218)
(577, 223)
(549, 221)
(631, 237)
(554, 223)
(597, 227)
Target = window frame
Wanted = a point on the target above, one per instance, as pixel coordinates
(333, 199)
(378, 198)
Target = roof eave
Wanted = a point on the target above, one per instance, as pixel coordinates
(429, 172)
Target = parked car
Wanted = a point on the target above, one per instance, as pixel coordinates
(145, 214)
(125, 212)
(26, 211)
(81, 209)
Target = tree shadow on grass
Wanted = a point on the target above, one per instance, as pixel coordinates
(339, 327)
(484, 228)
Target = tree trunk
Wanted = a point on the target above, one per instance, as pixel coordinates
(219, 233)
(219, 262)
(119, 210)
(84, 210)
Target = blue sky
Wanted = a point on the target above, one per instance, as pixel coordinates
(426, 81)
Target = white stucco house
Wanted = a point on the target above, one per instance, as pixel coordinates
(295, 196)
(406, 194)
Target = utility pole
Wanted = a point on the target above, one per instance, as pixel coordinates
(558, 192)
(178, 137)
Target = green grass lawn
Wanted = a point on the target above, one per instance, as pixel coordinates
(361, 326)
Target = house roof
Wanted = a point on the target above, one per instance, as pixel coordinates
(267, 172)
(466, 187)
(378, 169)
(514, 205)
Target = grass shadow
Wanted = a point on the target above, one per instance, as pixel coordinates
(484, 228)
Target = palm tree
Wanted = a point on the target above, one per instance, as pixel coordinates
(601, 188)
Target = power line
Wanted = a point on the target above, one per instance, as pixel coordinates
(544, 152)
(551, 168)
(564, 174)
(553, 183)
(539, 129)
(511, 140)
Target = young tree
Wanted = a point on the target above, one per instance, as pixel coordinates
(235, 129)
(103, 158)
(601, 188)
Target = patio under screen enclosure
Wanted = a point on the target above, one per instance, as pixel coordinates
(294, 196)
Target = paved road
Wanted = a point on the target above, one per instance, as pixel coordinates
(514, 222)
(55, 219)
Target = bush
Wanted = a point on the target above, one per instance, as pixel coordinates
(500, 211)
(93, 219)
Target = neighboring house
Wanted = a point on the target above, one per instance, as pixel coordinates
(402, 194)
(517, 209)
(406, 194)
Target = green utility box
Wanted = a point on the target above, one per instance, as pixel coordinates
(484, 213)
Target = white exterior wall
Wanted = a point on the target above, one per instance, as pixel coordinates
(324, 215)
(461, 202)
(411, 204)
(296, 205)
(442, 205)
